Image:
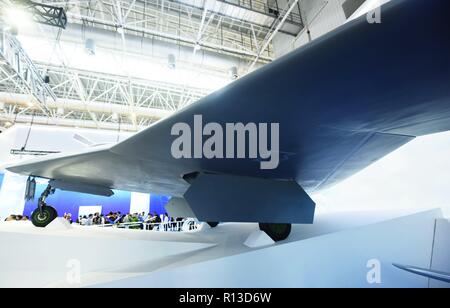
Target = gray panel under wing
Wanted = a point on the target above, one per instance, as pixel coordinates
(228, 198)
(178, 207)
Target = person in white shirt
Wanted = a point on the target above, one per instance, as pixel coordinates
(90, 220)
(84, 221)
(126, 219)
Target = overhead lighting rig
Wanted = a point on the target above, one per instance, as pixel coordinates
(43, 13)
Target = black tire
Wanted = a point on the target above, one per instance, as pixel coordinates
(212, 224)
(43, 220)
(277, 232)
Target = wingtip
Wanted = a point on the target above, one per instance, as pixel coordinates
(16, 167)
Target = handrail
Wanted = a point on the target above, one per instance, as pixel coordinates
(171, 226)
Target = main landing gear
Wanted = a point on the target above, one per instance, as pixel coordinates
(213, 224)
(44, 214)
(277, 232)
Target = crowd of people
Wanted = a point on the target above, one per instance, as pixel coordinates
(92, 220)
(68, 217)
(17, 218)
(112, 218)
(130, 221)
(136, 220)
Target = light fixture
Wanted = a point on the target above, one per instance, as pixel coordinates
(8, 124)
(197, 46)
(233, 73)
(115, 117)
(17, 17)
(120, 30)
(171, 62)
(90, 47)
(13, 30)
(60, 111)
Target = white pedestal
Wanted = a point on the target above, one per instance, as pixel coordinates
(325, 254)
(258, 239)
(59, 224)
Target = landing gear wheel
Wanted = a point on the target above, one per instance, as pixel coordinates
(277, 232)
(213, 224)
(43, 218)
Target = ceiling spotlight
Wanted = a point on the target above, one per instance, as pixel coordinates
(13, 30)
(120, 30)
(233, 73)
(60, 111)
(30, 104)
(17, 17)
(115, 117)
(90, 47)
(197, 47)
(8, 124)
(171, 63)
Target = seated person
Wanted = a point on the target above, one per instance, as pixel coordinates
(11, 218)
(157, 219)
(84, 221)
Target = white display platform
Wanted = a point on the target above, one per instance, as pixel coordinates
(334, 252)
(441, 251)
(258, 239)
(59, 224)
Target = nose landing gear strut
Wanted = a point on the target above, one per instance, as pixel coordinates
(44, 214)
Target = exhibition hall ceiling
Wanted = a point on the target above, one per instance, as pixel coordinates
(123, 65)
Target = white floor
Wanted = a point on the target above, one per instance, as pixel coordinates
(332, 252)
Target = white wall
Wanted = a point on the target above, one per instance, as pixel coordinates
(49, 138)
(44, 139)
(12, 194)
(140, 203)
(416, 176)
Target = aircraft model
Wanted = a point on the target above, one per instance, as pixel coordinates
(341, 103)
